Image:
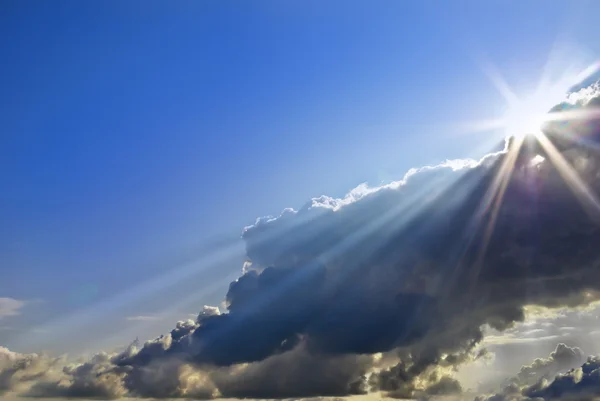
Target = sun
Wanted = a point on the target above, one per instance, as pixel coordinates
(526, 117)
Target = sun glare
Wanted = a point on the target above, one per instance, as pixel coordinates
(525, 118)
(526, 115)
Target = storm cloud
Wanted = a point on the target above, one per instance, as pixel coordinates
(387, 289)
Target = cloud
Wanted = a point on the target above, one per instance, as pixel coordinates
(20, 372)
(10, 307)
(579, 384)
(554, 378)
(549, 326)
(444, 386)
(142, 318)
(561, 359)
(512, 339)
(97, 378)
(297, 373)
(388, 289)
(539, 371)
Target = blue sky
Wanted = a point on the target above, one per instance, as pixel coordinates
(138, 138)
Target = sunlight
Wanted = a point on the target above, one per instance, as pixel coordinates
(537, 160)
(493, 198)
(526, 115)
(525, 118)
(522, 123)
(585, 196)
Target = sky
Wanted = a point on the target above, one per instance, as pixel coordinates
(138, 139)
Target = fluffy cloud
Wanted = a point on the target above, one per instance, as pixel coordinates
(554, 378)
(579, 384)
(388, 289)
(20, 372)
(563, 358)
(97, 378)
(560, 360)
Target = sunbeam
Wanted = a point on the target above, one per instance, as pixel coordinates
(569, 174)
(498, 188)
(524, 118)
(493, 199)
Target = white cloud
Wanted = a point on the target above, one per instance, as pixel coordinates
(585, 95)
(10, 307)
(362, 190)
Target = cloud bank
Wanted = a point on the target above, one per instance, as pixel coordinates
(388, 289)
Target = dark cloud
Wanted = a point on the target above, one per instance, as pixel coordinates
(444, 386)
(422, 372)
(297, 374)
(411, 270)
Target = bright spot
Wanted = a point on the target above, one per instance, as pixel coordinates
(537, 160)
(525, 118)
(528, 115)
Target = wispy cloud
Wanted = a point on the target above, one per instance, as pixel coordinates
(142, 318)
(7, 328)
(10, 307)
(511, 339)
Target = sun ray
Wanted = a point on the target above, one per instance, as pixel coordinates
(499, 82)
(573, 115)
(499, 186)
(493, 198)
(524, 115)
(587, 198)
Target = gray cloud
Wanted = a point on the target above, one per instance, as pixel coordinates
(554, 378)
(20, 372)
(563, 358)
(580, 384)
(560, 360)
(97, 378)
(408, 270)
(296, 374)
